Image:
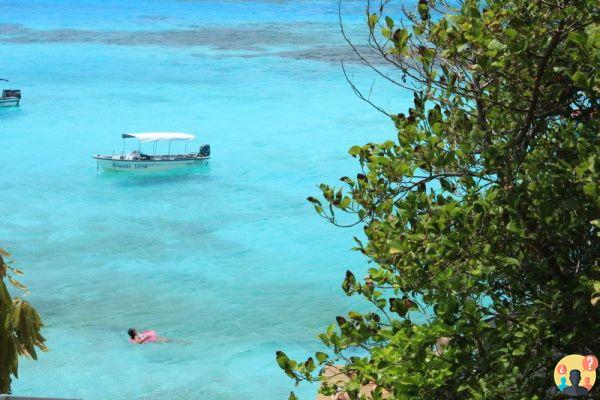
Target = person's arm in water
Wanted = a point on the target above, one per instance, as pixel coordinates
(146, 336)
(140, 338)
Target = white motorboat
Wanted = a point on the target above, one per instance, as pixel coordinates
(136, 160)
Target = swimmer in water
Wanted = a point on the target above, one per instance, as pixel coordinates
(145, 337)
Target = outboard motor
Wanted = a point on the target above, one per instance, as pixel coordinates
(204, 150)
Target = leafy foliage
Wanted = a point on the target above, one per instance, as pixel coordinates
(20, 326)
(482, 216)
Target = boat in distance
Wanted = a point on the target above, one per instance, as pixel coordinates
(10, 97)
(136, 160)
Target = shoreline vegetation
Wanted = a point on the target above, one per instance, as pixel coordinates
(481, 215)
(20, 333)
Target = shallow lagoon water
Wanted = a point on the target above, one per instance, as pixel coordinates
(229, 259)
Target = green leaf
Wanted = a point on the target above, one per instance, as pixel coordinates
(495, 45)
(355, 315)
(596, 295)
(355, 150)
(512, 33)
(373, 19)
(401, 37)
(580, 79)
(512, 261)
(577, 38)
(589, 189)
(283, 360)
(389, 22)
(446, 185)
(423, 10)
(345, 203)
(309, 365)
(321, 357)
(401, 306)
(513, 227)
(16, 283)
(395, 248)
(348, 283)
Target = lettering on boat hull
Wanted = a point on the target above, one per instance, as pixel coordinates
(127, 165)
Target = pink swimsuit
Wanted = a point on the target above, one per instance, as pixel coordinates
(145, 337)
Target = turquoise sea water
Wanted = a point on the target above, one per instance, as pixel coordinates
(230, 260)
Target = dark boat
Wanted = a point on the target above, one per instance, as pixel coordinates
(10, 97)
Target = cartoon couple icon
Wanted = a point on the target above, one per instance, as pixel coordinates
(575, 389)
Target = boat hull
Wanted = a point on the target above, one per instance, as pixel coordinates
(114, 164)
(9, 101)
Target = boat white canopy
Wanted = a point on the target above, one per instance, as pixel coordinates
(159, 136)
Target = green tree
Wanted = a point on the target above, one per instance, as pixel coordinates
(20, 326)
(482, 216)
